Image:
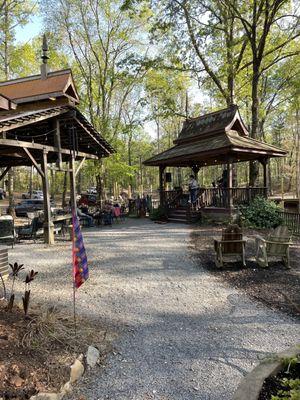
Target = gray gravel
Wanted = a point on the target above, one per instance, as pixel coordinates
(183, 334)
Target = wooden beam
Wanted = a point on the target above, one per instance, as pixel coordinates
(48, 149)
(48, 224)
(34, 162)
(88, 132)
(229, 184)
(80, 166)
(4, 172)
(161, 185)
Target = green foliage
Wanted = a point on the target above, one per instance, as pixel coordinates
(290, 386)
(261, 213)
(158, 214)
(292, 391)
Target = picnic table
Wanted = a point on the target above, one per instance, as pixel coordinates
(63, 220)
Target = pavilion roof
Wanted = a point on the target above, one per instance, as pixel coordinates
(213, 139)
(34, 129)
(34, 88)
(6, 103)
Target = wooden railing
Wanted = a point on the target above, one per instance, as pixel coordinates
(214, 197)
(172, 198)
(219, 197)
(291, 220)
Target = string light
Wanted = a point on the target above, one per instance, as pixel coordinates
(34, 136)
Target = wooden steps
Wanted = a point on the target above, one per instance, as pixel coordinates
(179, 215)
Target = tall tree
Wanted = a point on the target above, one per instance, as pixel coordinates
(270, 27)
(13, 13)
(107, 53)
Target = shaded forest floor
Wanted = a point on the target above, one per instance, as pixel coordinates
(275, 286)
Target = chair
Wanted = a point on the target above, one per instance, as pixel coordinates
(7, 230)
(231, 244)
(4, 272)
(32, 230)
(276, 244)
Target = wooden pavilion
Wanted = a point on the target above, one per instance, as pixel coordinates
(217, 138)
(40, 125)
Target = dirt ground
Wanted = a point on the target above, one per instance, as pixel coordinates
(275, 286)
(36, 353)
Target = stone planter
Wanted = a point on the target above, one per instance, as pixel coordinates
(251, 385)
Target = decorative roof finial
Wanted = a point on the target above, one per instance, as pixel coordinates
(44, 66)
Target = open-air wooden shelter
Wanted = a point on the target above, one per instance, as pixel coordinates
(41, 125)
(217, 138)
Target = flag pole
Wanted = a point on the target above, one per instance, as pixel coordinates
(74, 213)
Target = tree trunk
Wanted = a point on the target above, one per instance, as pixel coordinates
(158, 134)
(253, 167)
(298, 159)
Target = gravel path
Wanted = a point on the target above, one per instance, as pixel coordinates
(183, 334)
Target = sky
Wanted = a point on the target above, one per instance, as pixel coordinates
(30, 30)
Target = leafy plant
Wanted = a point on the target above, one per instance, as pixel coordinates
(16, 268)
(158, 214)
(290, 386)
(291, 391)
(261, 213)
(29, 278)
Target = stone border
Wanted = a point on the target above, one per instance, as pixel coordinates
(251, 385)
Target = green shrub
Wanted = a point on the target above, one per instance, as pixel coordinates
(158, 214)
(261, 213)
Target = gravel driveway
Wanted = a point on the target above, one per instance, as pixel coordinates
(183, 334)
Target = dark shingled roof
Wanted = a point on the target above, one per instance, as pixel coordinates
(212, 139)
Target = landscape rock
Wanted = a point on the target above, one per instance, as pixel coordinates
(66, 389)
(17, 381)
(77, 370)
(92, 356)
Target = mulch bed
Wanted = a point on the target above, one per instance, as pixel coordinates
(36, 353)
(274, 384)
(275, 286)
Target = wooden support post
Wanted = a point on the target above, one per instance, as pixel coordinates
(195, 170)
(265, 164)
(48, 224)
(161, 185)
(57, 143)
(229, 185)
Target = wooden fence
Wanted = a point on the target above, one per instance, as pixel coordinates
(291, 220)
